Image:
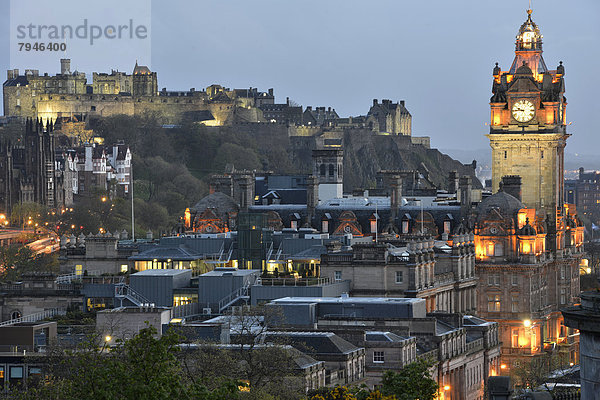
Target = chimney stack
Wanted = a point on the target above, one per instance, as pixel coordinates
(452, 182)
(511, 184)
(465, 187)
(374, 102)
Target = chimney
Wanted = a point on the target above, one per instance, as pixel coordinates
(464, 184)
(312, 198)
(308, 108)
(271, 92)
(65, 66)
(511, 184)
(402, 103)
(10, 74)
(581, 172)
(395, 199)
(287, 101)
(374, 102)
(452, 182)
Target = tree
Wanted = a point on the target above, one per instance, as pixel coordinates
(144, 367)
(16, 261)
(411, 382)
(536, 372)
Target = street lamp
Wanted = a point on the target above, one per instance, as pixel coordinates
(527, 323)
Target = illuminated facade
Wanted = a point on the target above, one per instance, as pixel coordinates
(527, 124)
(528, 242)
(69, 94)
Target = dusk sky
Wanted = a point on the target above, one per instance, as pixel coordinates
(436, 55)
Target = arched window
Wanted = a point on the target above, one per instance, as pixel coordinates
(331, 169)
(323, 169)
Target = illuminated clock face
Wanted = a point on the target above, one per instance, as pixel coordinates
(523, 110)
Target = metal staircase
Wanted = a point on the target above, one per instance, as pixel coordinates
(242, 293)
(35, 317)
(124, 291)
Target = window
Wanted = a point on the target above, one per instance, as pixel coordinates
(493, 280)
(331, 169)
(515, 338)
(337, 275)
(542, 153)
(515, 279)
(404, 226)
(514, 303)
(378, 357)
(399, 276)
(446, 226)
(562, 296)
(124, 268)
(505, 154)
(489, 249)
(78, 269)
(323, 169)
(374, 225)
(324, 226)
(494, 303)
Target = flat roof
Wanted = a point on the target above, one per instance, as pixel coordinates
(161, 272)
(231, 271)
(370, 300)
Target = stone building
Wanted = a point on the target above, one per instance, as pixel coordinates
(584, 192)
(528, 241)
(528, 125)
(390, 118)
(522, 285)
(69, 94)
(441, 272)
(29, 171)
(586, 318)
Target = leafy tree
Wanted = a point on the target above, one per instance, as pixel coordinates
(17, 260)
(411, 382)
(144, 367)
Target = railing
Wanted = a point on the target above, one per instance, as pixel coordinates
(68, 278)
(35, 317)
(292, 281)
(185, 310)
(232, 297)
(123, 291)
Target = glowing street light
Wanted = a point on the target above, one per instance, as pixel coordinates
(503, 366)
(107, 338)
(447, 387)
(527, 323)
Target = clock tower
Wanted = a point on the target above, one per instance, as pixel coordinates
(527, 125)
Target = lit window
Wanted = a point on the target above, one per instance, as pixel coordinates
(124, 268)
(338, 275)
(489, 249)
(494, 303)
(515, 338)
(399, 276)
(378, 357)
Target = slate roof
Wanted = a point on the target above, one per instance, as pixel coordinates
(377, 336)
(218, 201)
(20, 80)
(506, 204)
(316, 342)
